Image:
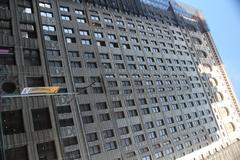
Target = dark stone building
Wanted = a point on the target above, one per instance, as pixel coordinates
(160, 91)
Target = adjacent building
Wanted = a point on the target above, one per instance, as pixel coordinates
(160, 88)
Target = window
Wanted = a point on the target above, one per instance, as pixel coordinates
(68, 30)
(117, 57)
(108, 20)
(113, 45)
(123, 38)
(104, 117)
(66, 18)
(92, 137)
(5, 27)
(158, 154)
(101, 105)
(152, 135)
(31, 57)
(86, 42)
(111, 36)
(55, 63)
(46, 14)
(84, 33)
(63, 109)
(94, 150)
(79, 12)
(64, 9)
(58, 80)
(88, 119)
(72, 155)
(73, 53)
(110, 146)
(149, 125)
(89, 55)
(85, 107)
(123, 130)
(145, 111)
(108, 133)
(35, 81)
(50, 38)
(70, 40)
(81, 20)
(95, 18)
(132, 113)
(45, 5)
(137, 127)
(28, 30)
(46, 150)
(120, 22)
(98, 35)
(126, 142)
(20, 153)
(163, 132)
(126, 46)
(119, 115)
(66, 122)
(12, 122)
(49, 28)
(41, 119)
(76, 64)
(147, 158)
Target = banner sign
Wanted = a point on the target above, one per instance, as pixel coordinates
(40, 90)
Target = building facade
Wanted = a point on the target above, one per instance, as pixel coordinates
(160, 88)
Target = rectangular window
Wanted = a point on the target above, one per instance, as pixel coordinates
(70, 40)
(45, 5)
(92, 137)
(35, 81)
(110, 146)
(64, 9)
(12, 122)
(58, 80)
(49, 28)
(28, 30)
(81, 20)
(31, 57)
(123, 130)
(46, 149)
(79, 12)
(63, 109)
(21, 153)
(66, 18)
(86, 42)
(76, 64)
(95, 18)
(70, 141)
(41, 119)
(78, 79)
(94, 150)
(101, 105)
(55, 63)
(7, 56)
(46, 14)
(98, 35)
(88, 119)
(5, 27)
(108, 133)
(68, 30)
(66, 122)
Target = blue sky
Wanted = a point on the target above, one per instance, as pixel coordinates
(223, 18)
